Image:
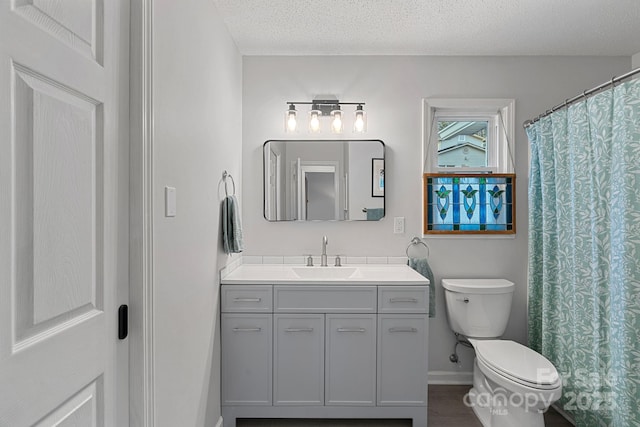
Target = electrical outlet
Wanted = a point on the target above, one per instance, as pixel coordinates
(398, 225)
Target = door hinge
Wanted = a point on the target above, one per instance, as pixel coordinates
(123, 321)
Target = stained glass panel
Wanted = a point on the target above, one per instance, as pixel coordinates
(469, 203)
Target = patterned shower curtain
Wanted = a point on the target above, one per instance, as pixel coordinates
(584, 253)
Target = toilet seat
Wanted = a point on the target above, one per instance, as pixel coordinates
(517, 363)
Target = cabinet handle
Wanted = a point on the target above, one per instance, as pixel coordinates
(351, 330)
(299, 330)
(247, 299)
(403, 329)
(399, 299)
(247, 329)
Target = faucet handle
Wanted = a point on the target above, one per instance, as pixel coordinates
(338, 261)
(309, 261)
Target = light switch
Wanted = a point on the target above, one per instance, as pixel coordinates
(169, 201)
(398, 225)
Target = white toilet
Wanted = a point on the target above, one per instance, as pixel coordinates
(512, 384)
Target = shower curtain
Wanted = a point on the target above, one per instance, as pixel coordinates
(584, 253)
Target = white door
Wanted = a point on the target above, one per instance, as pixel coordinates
(273, 199)
(63, 212)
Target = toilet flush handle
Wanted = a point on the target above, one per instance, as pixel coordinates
(464, 300)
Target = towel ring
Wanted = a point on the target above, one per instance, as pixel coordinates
(417, 241)
(226, 175)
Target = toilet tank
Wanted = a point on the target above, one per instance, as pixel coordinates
(478, 308)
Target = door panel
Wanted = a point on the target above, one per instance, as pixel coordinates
(402, 359)
(247, 351)
(58, 222)
(77, 23)
(63, 211)
(350, 360)
(298, 368)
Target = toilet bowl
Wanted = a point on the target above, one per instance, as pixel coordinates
(512, 384)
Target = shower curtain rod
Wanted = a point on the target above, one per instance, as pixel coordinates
(584, 94)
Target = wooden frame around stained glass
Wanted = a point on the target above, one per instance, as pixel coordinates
(469, 203)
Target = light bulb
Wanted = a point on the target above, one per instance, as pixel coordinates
(336, 123)
(314, 121)
(290, 121)
(360, 123)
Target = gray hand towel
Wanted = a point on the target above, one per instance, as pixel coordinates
(421, 265)
(375, 214)
(231, 226)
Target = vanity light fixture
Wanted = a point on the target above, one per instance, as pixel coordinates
(326, 107)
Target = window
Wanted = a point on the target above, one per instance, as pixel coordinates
(462, 143)
(468, 135)
(468, 165)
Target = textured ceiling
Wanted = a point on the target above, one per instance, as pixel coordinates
(433, 27)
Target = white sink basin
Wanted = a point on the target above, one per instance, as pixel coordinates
(298, 274)
(325, 273)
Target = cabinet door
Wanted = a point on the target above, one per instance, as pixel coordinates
(350, 359)
(298, 370)
(246, 345)
(402, 360)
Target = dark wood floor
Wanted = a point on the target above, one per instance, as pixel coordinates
(446, 409)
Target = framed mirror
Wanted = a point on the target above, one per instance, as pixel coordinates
(323, 180)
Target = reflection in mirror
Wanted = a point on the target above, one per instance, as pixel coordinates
(323, 180)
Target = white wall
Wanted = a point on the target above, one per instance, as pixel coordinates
(392, 88)
(197, 134)
(635, 61)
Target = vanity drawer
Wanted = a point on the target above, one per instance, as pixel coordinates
(246, 299)
(324, 299)
(403, 299)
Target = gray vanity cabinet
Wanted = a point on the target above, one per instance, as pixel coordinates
(307, 351)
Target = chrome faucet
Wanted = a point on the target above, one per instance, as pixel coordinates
(323, 257)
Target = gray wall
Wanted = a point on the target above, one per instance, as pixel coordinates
(393, 88)
(197, 134)
(635, 61)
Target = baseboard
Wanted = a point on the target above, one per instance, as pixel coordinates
(564, 413)
(220, 422)
(450, 378)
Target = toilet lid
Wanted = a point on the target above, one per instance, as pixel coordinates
(517, 361)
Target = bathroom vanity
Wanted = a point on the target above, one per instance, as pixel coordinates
(324, 342)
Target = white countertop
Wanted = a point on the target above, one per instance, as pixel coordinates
(348, 274)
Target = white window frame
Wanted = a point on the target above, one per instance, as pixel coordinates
(500, 113)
